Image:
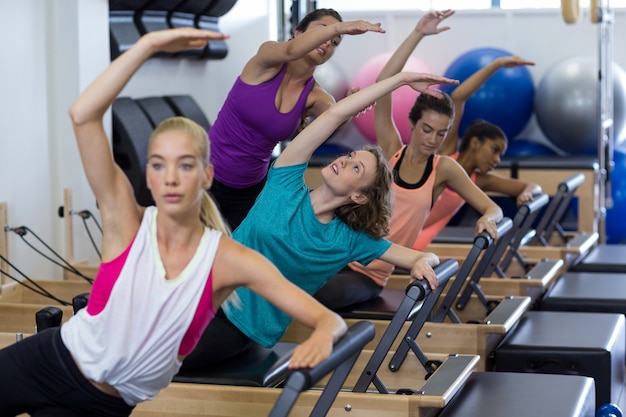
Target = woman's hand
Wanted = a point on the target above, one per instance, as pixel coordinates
(512, 61)
(180, 39)
(419, 81)
(484, 224)
(427, 25)
(357, 27)
(524, 197)
(312, 351)
(423, 269)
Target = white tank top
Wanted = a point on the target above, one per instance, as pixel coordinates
(133, 343)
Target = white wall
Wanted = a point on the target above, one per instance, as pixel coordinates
(52, 49)
(26, 184)
(538, 35)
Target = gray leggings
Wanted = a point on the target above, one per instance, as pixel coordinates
(38, 376)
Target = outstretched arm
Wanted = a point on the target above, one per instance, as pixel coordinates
(522, 191)
(308, 140)
(387, 134)
(236, 265)
(467, 88)
(116, 201)
(105, 178)
(272, 54)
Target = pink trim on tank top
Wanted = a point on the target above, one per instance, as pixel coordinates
(107, 276)
(201, 319)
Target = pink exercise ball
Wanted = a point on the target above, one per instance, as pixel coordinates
(403, 97)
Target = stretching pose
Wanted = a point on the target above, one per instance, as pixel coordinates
(164, 270)
(311, 235)
(479, 152)
(419, 177)
(274, 94)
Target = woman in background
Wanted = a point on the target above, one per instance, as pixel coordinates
(311, 234)
(272, 97)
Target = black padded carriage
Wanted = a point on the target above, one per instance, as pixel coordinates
(603, 258)
(587, 291)
(569, 343)
(491, 394)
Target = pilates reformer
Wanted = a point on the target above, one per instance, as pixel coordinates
(489, 279)
(590, 344)
(443, 374)
(18, 305)
(32, 318)
(549, 172)
(502, 276)
(551, 240)
(479, 337)
(293, 383)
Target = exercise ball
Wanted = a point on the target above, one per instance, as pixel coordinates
(525, 147)
(505, 98)
(403, 97)
(332, 79)
(615, 220)
(609, 410)
(566, 105)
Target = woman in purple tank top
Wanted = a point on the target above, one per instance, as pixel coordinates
(272, 97)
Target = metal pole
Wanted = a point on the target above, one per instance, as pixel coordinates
(605, 111)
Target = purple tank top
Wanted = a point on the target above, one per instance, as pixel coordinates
(247, 129)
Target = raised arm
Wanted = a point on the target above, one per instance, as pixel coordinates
(271, 53)
(107, 181)
(236, 265)
(467, 88)
(308, 140)
(387, 134)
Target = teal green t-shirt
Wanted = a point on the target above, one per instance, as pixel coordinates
(283, 227)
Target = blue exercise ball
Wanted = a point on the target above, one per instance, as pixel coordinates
(615, 220)
(609, 410)
(505, 99)
(566, 105)
(526, 147)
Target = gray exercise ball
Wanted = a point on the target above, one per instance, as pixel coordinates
(566, 105)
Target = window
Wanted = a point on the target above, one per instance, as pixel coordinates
(377, 5)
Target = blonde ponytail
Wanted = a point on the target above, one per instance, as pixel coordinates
(210, 215)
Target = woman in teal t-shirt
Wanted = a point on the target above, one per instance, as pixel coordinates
(311, 235)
